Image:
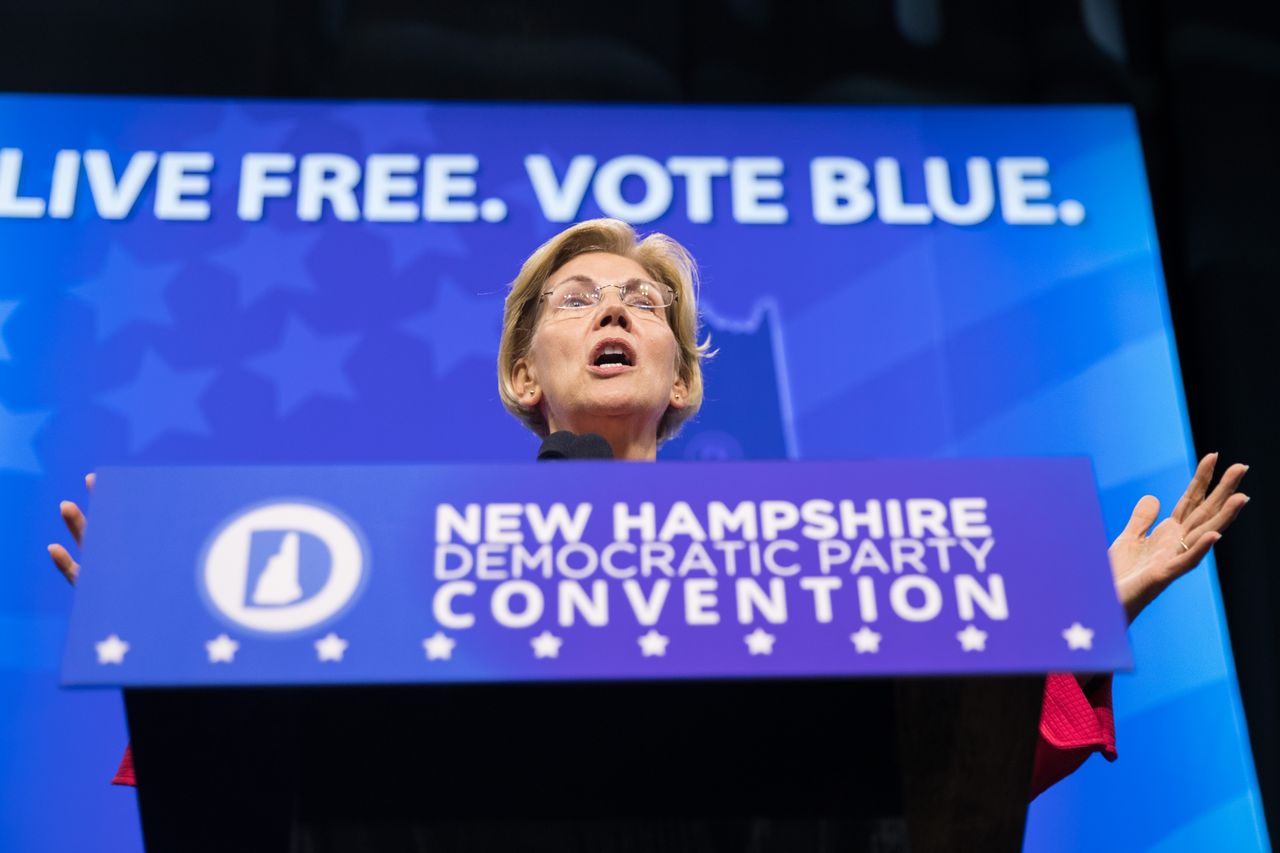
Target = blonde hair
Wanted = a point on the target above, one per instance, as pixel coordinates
(662, 258)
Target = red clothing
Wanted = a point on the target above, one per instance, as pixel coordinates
(1074, 724)
(124, 773)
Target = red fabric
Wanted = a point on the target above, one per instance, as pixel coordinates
(124, 773)
(1074, 724)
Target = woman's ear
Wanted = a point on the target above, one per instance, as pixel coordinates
(524, 384)
(679, 395)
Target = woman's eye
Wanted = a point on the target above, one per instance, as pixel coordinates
(643, 300)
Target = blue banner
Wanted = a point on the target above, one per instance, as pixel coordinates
(572, 572)
(286, 283)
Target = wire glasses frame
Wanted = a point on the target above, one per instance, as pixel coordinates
(579, 292)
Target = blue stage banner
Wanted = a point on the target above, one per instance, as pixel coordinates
(453, 573)
(212, 282)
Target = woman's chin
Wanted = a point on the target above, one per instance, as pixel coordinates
(610, 403)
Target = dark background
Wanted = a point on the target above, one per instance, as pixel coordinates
(1204, 78)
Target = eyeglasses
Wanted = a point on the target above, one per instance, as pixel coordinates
(578, 293)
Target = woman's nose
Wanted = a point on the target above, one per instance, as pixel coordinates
(613, 312)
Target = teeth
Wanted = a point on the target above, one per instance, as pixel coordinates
(614, 350)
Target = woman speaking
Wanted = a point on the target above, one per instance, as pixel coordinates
(600, 337)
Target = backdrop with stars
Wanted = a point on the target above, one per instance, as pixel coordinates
(222, 339)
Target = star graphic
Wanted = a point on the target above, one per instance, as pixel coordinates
(759, 642)
(6, 308)
(160, 400)
(972, 639)
(222, 649)
(409, 131)
(243, 130)
(459, 326)
(408, 241)
(17, 434)
(546, 645)
(266, 259)
(653, 644)
(865, 640)
(438, 646)
(305, 365)
(111, 650)
(124, 292)
(1078, 636)
(330, 647)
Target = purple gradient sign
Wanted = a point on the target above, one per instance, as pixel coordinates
(586, 571)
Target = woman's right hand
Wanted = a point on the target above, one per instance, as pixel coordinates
(73, 517)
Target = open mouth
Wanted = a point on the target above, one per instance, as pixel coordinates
(612, 355)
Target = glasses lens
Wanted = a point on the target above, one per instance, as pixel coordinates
(574, 294)
(643, 295)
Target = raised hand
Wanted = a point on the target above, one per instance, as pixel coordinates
(1144, 565)
(75, 521)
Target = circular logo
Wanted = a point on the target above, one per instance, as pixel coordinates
(283, 567)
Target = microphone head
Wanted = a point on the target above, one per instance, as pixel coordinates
(556, 446)
(590, 445)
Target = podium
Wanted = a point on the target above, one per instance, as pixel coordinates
(680, 656)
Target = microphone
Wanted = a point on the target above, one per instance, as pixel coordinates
(556, 446)
(590, 445)
(566, 445)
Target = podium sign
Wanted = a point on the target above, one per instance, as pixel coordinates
(593, 571)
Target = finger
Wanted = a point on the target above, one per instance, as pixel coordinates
(1192, 557)
(1196, 488)
(69, 568)
(1144, 515)
(1220, 520)
(73, 518)
(1226, 488)
(89, 480)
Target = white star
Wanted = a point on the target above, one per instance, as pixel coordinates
(653, 644)
(222, 649)
(438, 646)
(759, 642)
(1078, 636)
(972, 639)
(331, 647)
(111, 650)
(865, 640)
(546, 645)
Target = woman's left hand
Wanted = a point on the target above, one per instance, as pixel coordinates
(1144, 565)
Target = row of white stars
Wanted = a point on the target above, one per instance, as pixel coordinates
(331, 647)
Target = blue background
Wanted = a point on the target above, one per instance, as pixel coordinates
(281, 341)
